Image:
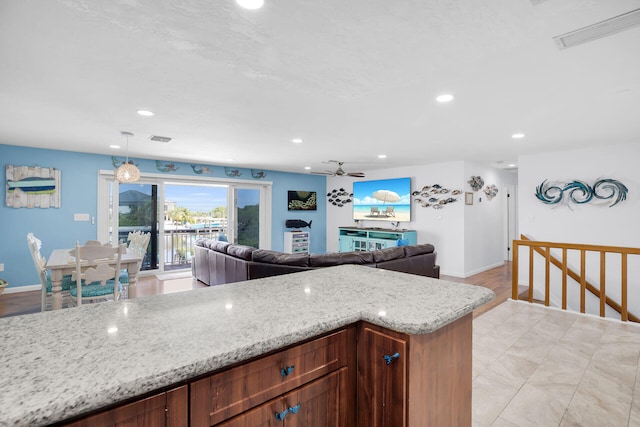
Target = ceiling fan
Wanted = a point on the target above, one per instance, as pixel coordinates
(340, 171)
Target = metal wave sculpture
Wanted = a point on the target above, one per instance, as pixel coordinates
(580, 192)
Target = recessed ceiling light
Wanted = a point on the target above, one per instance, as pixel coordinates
(446, 97)
(115, 147)
(307, 168)
(382, 156)
(512, 165)
(517, 136)
(297, 140)
(250, 4)
(228, 160)
(145, 113)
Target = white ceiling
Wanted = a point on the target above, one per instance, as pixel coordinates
(352, 78)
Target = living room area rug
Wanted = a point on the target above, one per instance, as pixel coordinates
(171, 276)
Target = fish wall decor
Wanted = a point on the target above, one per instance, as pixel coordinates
(166, 167)
(232, 172)
(435, 196)
(579, 192)
(256, 174)
(199, 169)
(339, 197)
(32, 187)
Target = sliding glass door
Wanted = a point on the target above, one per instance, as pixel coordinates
(179, 211)
(138, 211)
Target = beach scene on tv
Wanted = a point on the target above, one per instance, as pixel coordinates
(382, 200)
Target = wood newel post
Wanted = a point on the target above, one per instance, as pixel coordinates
(603, 275)
(564, 278)
(624, 287)
(547, 290)
(514, 271)
(530, 273)
(583, 280)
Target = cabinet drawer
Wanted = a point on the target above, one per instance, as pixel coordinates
(225, 394)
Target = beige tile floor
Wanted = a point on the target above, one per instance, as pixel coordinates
(535, 366)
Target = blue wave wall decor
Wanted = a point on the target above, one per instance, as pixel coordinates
(580, 192)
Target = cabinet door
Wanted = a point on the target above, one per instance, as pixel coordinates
(316, 404)
(166, 409)
(261, 416)
(382, 382)
(345, 244)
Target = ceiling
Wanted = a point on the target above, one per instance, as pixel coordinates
(353, 79)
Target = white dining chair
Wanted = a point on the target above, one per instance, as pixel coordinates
(97, 273)
(40, 262)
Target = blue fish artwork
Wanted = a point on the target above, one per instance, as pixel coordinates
(232, 172)
(33, 185)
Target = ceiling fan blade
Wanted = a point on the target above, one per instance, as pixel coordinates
(323, 173)
(356, 174)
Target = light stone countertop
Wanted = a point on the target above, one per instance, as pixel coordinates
(59, 364)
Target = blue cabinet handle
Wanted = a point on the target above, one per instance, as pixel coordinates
(280, 415)
(286, 371)
(391, 358)
(294, 409)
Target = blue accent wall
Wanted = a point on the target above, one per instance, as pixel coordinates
(79, 185)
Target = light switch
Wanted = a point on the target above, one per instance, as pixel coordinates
(1, 267)
(81, 217)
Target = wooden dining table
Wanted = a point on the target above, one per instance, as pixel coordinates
(61, 263)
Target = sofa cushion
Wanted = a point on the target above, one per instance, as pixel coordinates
(327, 260)
(274, 257)
(240, 251)
(418, 249)
(387, 254)
(218, 246)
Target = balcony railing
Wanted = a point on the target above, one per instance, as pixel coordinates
(178, 246)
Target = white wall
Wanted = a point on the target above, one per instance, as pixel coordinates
(458, 254)
(485, 234)
(589, 223)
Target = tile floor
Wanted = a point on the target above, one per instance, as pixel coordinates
(534, 366)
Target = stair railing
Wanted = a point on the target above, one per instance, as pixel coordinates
(544, 249)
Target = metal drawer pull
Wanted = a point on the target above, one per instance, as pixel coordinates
(391, 358)
(280, 415)
(294, 409)
(286, 371)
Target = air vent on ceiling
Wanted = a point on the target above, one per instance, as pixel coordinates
(598, 30)
(160, 138)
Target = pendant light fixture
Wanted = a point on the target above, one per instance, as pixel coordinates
(127, 172)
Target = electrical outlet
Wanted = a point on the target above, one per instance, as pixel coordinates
(1, 267)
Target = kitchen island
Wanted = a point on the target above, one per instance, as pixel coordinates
(58, 365)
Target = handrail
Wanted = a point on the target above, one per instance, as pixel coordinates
(544, 249)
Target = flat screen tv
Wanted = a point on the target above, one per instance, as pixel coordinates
(382, 200)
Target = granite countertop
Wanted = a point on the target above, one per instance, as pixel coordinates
(59, 364)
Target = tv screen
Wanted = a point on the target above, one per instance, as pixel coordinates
(382, 200)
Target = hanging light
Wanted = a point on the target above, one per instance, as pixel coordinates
(127, 172)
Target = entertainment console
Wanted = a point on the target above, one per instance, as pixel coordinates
(371, 239)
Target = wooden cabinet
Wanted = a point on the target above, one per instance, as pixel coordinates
(169, 409)
(266, 385)
(382, 379)
(427, 381)
(317, 404)
(297, 242)
(372, 239)
(362, 375)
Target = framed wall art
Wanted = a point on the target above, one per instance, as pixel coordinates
(301, 201)
(32, 187)
(468, 198)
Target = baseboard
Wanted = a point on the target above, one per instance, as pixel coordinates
(18, 289)
(472, 273)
